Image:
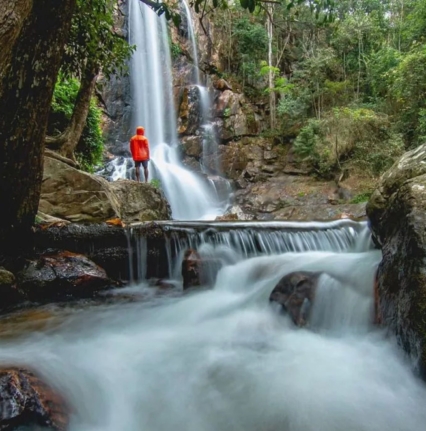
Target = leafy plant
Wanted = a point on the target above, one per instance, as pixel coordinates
(155, 182)
(90, 146)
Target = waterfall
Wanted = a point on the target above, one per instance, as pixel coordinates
(210, 162)
(193, 42)
(190, 196)
(227, 359)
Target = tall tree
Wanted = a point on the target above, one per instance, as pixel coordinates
(32, 39)
(93, 46)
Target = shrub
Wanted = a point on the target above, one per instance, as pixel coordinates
(355, 136)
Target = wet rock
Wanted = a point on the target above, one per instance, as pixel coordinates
(189, 112)
(77, 196)
(191, 269)
(295, 292)
(397, 213)
(163, 284)
(192, 146)
(9, 294)
(60, 275)
(26, 401)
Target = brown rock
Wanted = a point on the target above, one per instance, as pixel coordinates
(60, 275)
(221, 85)
(191, 269)
(296, 292)
(26, 400)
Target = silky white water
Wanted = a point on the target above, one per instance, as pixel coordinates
(227, 359)
(191, 36)
(190, 197)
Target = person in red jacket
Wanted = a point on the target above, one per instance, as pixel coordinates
(139, 148)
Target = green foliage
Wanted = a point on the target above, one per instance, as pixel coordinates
(361, 197)
(175, 50)
(250, 44)
(93, 40)
(355, 136)
(408, 92)
(156, 183)
(90, 146)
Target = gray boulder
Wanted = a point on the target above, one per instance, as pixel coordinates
(397, 212)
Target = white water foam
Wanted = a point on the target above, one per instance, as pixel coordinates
(226, 359)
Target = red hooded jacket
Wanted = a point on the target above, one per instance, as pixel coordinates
(139, 146)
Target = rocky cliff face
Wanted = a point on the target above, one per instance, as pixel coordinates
(267, 180)
(115, 95)
(397, 211)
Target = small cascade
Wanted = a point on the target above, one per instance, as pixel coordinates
(229, 243)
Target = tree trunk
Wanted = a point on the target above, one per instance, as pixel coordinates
(67, 141)
(271, 73)
(32, 38)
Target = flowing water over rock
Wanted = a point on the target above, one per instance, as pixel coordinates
(228, 359)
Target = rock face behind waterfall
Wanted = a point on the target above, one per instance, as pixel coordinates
(26, 401)
(295, 292)
(397, 211)
(77, 196)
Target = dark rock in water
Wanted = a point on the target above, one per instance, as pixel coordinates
(191, 269)
(9, 294)
(296, 292)
(198, 270)
(26, 401)
(60, 275)
(164, 284)
(397, 213)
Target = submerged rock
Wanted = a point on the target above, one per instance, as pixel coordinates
(26, 401)
(295, 292)
(60, 275)
(397, 212)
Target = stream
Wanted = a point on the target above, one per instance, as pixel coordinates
(227, 359)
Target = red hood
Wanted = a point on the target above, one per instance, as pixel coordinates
(140, 131)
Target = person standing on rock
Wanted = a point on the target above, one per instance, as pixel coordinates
(139, 148)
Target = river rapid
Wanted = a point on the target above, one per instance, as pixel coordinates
(227, 359)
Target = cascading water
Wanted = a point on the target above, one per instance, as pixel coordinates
(191, 36)
(226, 359)
(210, 162)
(189, 196)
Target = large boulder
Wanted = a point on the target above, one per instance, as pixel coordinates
(77, 196)
(60, 275)
(397, 212)
(26, 401)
